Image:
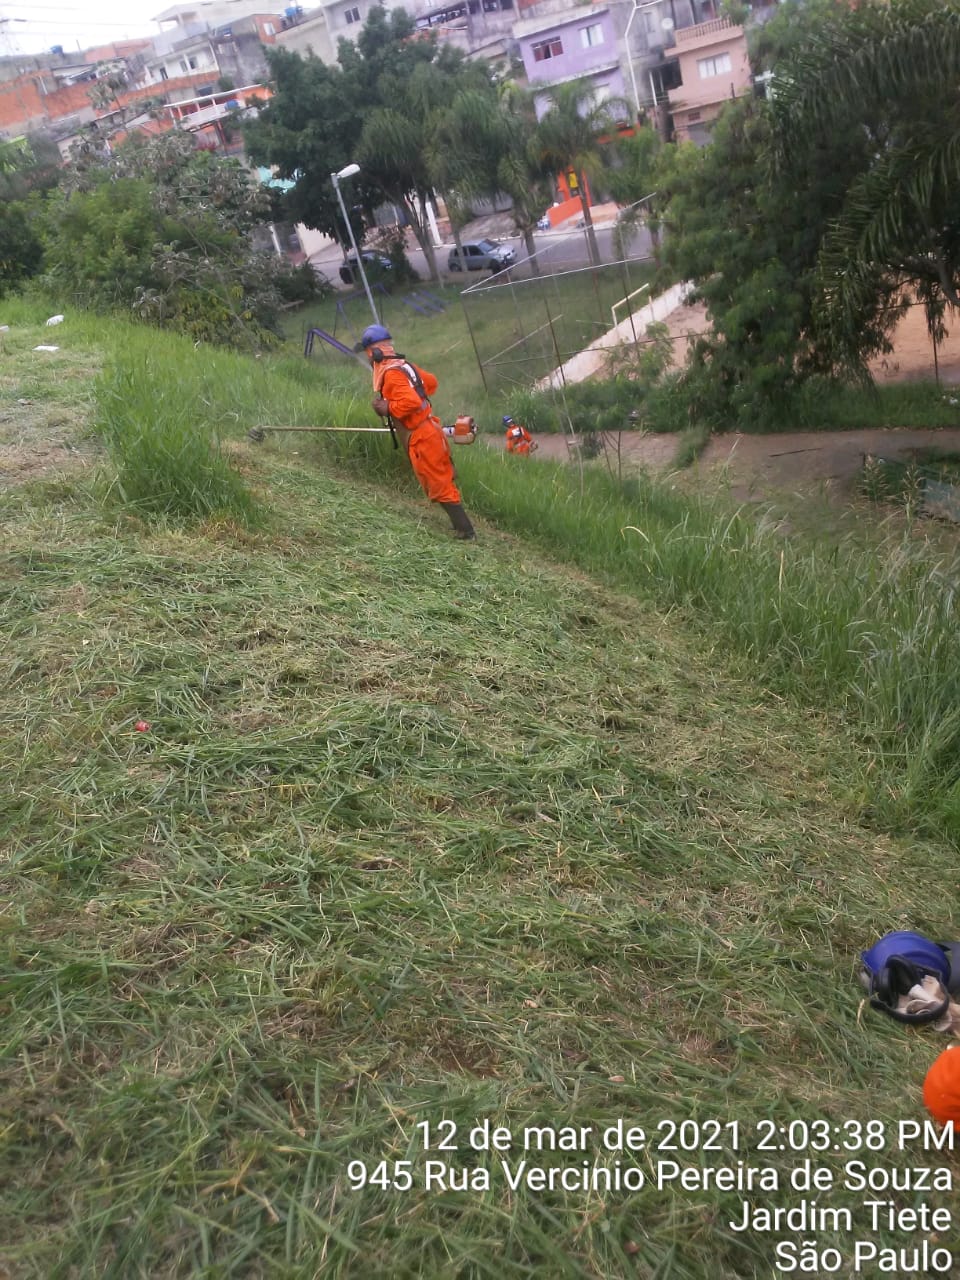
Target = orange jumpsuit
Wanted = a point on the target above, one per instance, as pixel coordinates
(427, 446)
(519, 439)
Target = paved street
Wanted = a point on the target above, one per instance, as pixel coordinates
(559, 250)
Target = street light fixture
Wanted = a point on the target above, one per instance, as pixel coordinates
(349, 172)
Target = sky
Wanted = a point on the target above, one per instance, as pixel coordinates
(28, 27)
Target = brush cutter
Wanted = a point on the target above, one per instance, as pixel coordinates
(463, 431)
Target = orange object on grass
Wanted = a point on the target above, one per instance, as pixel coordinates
(941, 1087)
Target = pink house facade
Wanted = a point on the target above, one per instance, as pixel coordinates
(714, 67)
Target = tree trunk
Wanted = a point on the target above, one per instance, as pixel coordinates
(531, 248)
(457, 241)
(416, 216)
(588, 223)
(653, 226)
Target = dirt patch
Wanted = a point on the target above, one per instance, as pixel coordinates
(22, 462)
(913, 357)
(753, 465)
(830, 461)
(46, 406)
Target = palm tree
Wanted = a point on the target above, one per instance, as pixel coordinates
(483, 145)
(461, 153)
(638, 185)
(568, 138)
(525, 170)
(886, 74)
(398, 140)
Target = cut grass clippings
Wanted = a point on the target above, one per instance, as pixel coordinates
(409, 839)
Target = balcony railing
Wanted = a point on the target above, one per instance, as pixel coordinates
(689, 35)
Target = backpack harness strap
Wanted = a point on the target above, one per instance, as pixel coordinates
(403, 364)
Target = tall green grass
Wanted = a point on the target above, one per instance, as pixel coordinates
(868, 626)
(163, 419)
(872, 629)
(167, 462)
(419, 832)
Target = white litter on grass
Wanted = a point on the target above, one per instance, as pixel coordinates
(4, 328)
(54, 320)
(42, 348)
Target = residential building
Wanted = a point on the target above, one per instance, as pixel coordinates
(649, 36)
(571, 44)
(713, 67)
(184, 51)
(212, 14)
(481, 28)
(212, 117)
(234, 51)
(318, 32)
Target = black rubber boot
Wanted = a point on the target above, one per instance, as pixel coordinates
(460, 520)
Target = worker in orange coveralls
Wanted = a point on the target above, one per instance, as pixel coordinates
(518, 438)
(402, 393)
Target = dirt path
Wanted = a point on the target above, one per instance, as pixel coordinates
(755, 464)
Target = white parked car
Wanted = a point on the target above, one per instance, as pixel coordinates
(481, 255)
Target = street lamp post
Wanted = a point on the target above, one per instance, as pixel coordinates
(348, 172)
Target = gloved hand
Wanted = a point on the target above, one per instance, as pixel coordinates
(381, 407)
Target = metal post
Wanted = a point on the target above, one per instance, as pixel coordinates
(476, 352)
(348, 172)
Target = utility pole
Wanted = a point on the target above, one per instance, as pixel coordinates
(8, 42)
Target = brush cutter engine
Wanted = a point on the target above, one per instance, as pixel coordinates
(463, 431)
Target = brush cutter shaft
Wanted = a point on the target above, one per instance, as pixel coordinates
(379, 431)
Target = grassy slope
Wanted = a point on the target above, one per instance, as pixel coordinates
(418, 831)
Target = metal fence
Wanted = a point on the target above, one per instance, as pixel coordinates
(529, 320)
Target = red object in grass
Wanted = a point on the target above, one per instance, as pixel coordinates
(141, 726)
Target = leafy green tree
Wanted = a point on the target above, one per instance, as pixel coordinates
(463, 148)
(639, 182)
(483, 144)
(377, 107)
(26, 165)
(885, 75)
(12, 154)
(27, 171)
(793, 25)
(163, 229)
(568, 138)
(309, 129)
(748, 238)
(21, 249)
(525, 169)
(395, 145)
(100, 243)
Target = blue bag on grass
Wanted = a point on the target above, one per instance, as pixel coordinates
(900, 961)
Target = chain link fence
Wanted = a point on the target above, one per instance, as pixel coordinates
(530, 320)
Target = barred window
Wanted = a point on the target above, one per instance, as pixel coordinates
(544, 49)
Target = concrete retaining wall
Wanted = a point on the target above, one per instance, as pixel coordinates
(632, 329)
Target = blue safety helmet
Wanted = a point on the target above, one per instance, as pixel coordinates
(507, 420)
(918, 951)
(373, 334)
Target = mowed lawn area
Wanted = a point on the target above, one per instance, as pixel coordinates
(331, 846)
